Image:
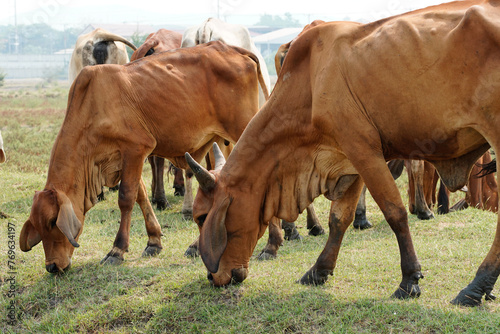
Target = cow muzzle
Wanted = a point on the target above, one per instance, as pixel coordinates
(53, 268)
(237, 276)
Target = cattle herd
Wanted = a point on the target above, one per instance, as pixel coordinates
(349, 97)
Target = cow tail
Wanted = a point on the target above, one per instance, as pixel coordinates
(259, 75)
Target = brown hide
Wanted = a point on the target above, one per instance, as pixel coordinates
(162, 40)
(422, 85)
(482, 192)
(116, 118)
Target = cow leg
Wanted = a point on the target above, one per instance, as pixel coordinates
(127, 196)
(274, 241)
(360, 221)
(291, 232)
(158, 187)
(152, 227)
(178, 181)
(313, 224)
(421, 208)
(341, 216)
(384, 191)
(487, 273)
(187, 205)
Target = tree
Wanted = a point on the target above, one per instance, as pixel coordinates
(277, 21)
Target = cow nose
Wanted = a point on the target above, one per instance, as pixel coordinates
(239, 275)
(52, 268)
(210, 278)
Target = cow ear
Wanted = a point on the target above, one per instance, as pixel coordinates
(213, 236)
(29, 237)
(67, 221)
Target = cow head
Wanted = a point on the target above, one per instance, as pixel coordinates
(228, 236)
(54, 222)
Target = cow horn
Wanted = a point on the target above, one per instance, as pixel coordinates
(205, 179)
(67, 221)
(103, 35)
(220, 161)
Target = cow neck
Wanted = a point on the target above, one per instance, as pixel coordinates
(277, 162)
(66, 165)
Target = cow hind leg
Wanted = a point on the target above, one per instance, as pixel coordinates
(187, 205)
(158, 187)
(421, 208)
(360, 221)
(152, 226)
(341, 216)
(291, 232)
(313, 224)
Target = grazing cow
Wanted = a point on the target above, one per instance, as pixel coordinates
(98, 47)
(2, 152)
(116, 118)
(162, 40)
(433, 76)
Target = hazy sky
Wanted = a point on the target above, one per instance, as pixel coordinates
(74, 12)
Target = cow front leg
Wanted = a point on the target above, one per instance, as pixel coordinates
(360, 221)
(152, 226)
(274, 242)
(127, 197)
(341, 216)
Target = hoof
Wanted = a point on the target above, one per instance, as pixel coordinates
(467, 298)
(426, 215)
(265, 255)
(179, 191)
(162, 204)
(315, 277)
(362, 224)
(112, 260)
(151, 250)
(409, 288)
(191, 252)
(187, 214)
(316, 230)
(291, 232)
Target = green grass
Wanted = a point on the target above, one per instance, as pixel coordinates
(170, 293)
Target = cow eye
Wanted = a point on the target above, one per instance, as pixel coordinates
(150, 52)
(53, 222)
(201, 219)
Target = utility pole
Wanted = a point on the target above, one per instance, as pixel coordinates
(16, 36)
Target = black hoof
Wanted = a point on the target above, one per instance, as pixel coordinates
(191, 252)
(265, 255)
(316, 230)
(291, 232)
(162, 204)
(112, 260)
(178, 191)
(467, 298)
(409, 288)
(362, 224)
(151, 250)
(315, 277)
(426, 215)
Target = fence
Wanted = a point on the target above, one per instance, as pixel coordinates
(35, 66)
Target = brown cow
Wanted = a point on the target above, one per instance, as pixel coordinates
(2, 152)
(433, 75)
(162, 40)
(116, 118)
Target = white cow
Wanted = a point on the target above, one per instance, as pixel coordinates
(98, 47)
(2, 152)
(234, 34)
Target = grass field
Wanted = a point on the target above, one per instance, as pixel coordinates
(170, 293)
